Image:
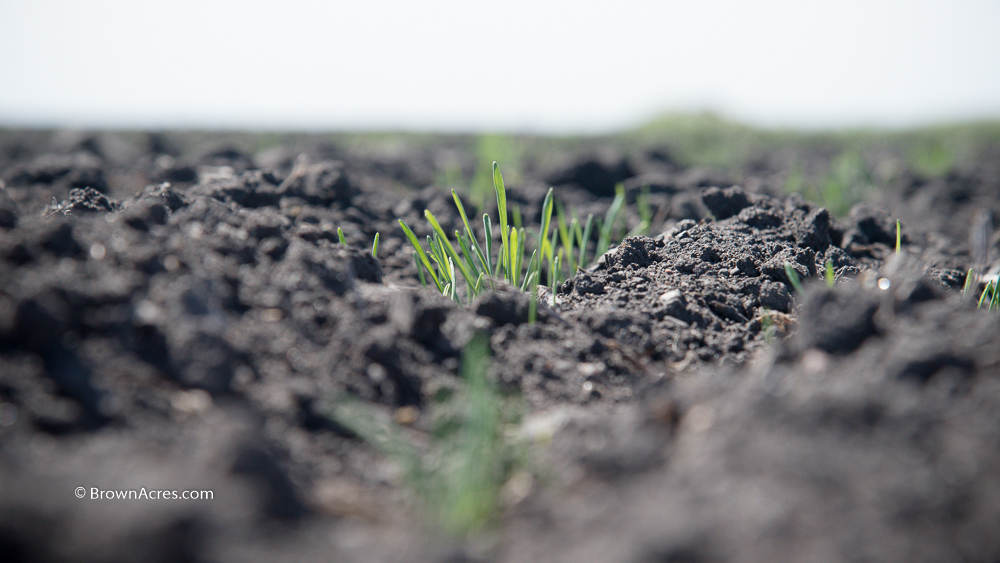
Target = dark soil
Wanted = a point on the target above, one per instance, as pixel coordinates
(184, 318)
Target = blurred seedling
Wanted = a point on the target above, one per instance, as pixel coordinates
(459, 475)
(645, 214)
(343, 241)
(607, 227)
(793, 277)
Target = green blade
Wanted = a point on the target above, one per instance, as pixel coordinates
(420, 270)
(472, 235)
(515, 252)
(532, 269)
(467, 254)
(488, 225)
(451, 267)
(555, 280)
(566, 236)
(532, 280)
(479, 283)
(447, 247)
(968, 283)
(793, 277)
(645, 211)
(469, 262)
(543, 231)
(375, 247)
(468, 229)
(502, 208)
(438, 257)
(586, 239)
(461, 211)
(609, 221)
(831, 280)
(986, 289)
(420, 252)
(340, 235)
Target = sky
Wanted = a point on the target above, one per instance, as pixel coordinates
(541, 66)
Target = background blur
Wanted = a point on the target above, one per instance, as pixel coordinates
(528, 66)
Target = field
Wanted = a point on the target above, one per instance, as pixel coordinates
(789, 351)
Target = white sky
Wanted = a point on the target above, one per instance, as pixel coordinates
(548, 66)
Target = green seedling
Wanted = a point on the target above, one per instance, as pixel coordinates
(447, 261)
(423, 255)
(474, 262)
(458, 476)
(767, 326)
(968, 283)
(566, 235)
(987, 291)
(831, 280)
(501, 193)
(585, 238)
(340, 235)
(645, 214)
(420, 270)
(375, 246)
(793, 277)
(990, 296)
(604, 241)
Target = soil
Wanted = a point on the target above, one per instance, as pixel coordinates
(184, 318)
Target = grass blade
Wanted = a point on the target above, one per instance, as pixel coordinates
(438, 256)
(451, 268)
(446, 246)
(420, 270)
(420, 252)
(586, 239)
(532, 269)
(604, 242)
(645, 210)
(986, 290)
(340, 235)
(543, 231)
(472, 235)
(461, 211)
(831, 279)
(515, 253)
(793, 277)
(577, 237)
(968, 283)
(467, 254)
(375, 247)
(566, 236)
(479, 283)
(488, 225)
(501, 192)
(532, 280)
(554, 279)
